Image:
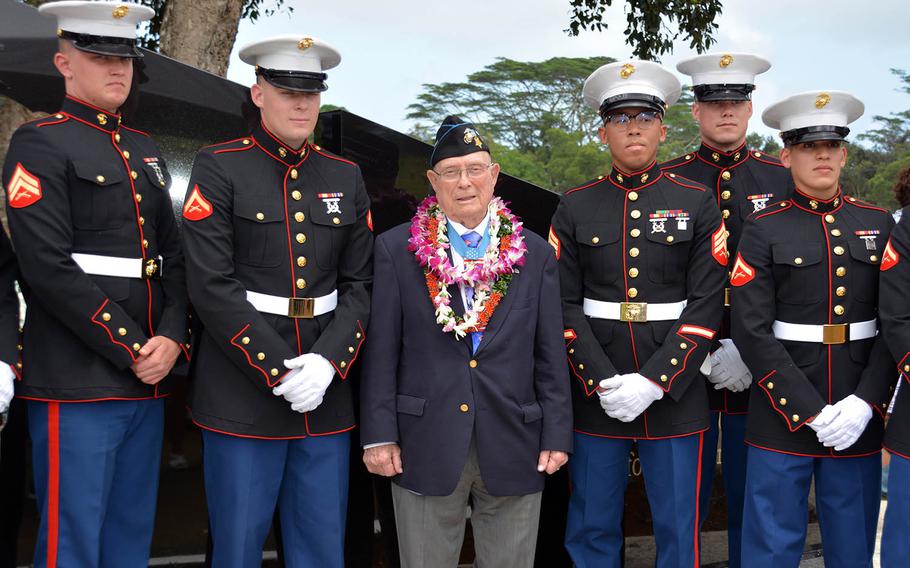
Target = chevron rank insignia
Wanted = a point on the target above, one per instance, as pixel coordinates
(196, 207)
(23, 188)
(742, 273)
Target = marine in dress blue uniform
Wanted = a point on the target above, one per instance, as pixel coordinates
(805, 314)
(92, 221)
(642, 259)
(743, 181)
(278, 241)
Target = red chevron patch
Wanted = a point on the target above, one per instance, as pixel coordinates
(196, 207)
(23, 188)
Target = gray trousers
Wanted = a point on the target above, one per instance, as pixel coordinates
(431, 529)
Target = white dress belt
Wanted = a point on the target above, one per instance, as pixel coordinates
(829, 334)
(293, 307)
(633, 311)
(101, 265)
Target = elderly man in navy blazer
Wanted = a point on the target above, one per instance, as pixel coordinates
(465, 384)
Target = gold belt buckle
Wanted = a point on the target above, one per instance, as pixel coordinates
(151, 268)
(726, 297)
(301, 307)
(835, 333)
(633, 311)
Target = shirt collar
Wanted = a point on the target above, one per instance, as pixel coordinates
(480, 228)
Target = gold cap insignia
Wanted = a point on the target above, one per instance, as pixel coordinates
(822, 100)
(59, 32)
(305, 43)
(726, 60)
(120, 11)
(470, 135)
(627, 70)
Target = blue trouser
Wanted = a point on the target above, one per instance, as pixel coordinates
(96, 480)
(776, 514)
(600, 472)
(896, 533)
(306, 478)
(732, 430)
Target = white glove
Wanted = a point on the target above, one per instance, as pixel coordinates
(823, 418)
(844, 430)
(627, 396)
(307, 382)
(7, 379)
(728, 371)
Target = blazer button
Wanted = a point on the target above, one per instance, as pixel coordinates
(464, 407)
(473, 364)
(795, 417)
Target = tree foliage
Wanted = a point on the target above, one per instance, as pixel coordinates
(652, 25)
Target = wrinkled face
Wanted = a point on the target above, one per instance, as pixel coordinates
(289, 115)
(633, 138)
(815, 166)
(464, 186)
(723, 124)
(100, 80)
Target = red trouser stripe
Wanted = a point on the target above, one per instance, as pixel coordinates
(53, 481)
(701, 443)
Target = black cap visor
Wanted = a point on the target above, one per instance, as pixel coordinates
(632, 100)
(723, 92)
(103, 45)
(814, 134)
(303, 81)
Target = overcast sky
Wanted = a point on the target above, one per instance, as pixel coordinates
(390, 48)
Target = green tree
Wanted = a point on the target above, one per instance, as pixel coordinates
(652, 25)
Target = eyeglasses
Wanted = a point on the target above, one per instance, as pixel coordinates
(621, 121)
(473, 172)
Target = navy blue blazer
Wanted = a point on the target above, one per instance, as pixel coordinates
(426, 391)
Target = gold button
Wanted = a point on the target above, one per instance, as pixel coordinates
(839, 310)
(835, 232)
(472, 363)
(795, 417)
(633, 252)
(633, 196)
(100, 178)
(294, 174)
(669, 238)
(674, 361)
(342, 364)
(133, 174)
(581, 366)
(726, 214)
(336, 220)
(635, 213)
(783, 402)
(907, 368)
(260, 356)
(633, 272)
(634, 232)
(260, 216)
(18, 365)
(136, 347)
(841, 291)
(663, 378)
(282, 152)
(726, 176)
(838, 250)
(683, 346)
(770, 386)
(116, 136)
(126, 154)
(301, 283)
(274, 372)
(829, 218)
(301, 238)
(571, 351)
(142, 220)
(798, 260)
(633, 292)
(138, 198)
(299, 216)
(106, 316)
(595, 240)
(245, 341)
(296, 195)
(121, 331)
(464, 407)
(301, 261)
(350, 349)
(590, 382)
(358, 335)
(145, 243)
(246, 142)
(725, 195)
(841, 271)
(873, 258)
